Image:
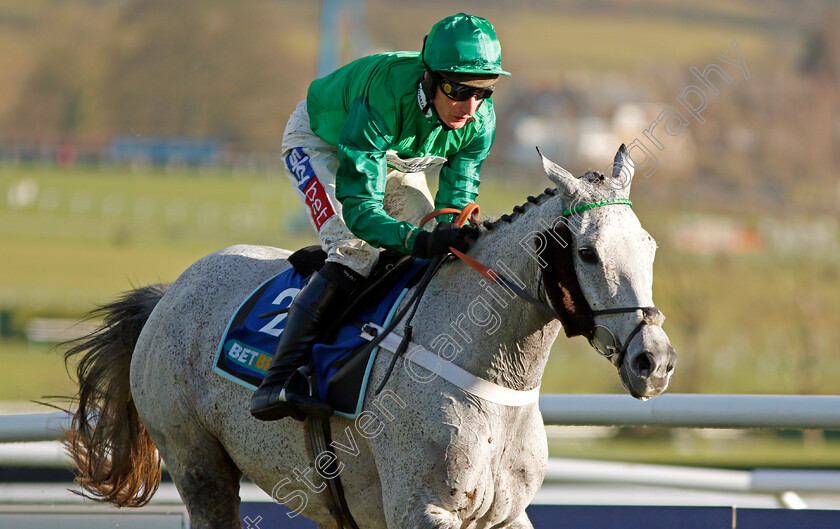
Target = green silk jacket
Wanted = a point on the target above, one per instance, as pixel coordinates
(370, 110)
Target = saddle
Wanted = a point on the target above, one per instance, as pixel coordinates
(382, 278)
(342, 357)
(347, 380)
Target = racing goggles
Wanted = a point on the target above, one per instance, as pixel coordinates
(461, 92)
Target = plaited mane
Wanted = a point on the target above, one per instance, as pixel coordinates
(518, 210)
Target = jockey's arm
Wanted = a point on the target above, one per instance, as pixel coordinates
(360, 181)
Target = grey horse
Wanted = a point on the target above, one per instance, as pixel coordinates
(425, 453)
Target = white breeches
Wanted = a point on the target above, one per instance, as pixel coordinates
(311, 165)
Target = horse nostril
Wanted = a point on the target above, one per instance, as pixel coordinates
(670, 367)
(643, 363)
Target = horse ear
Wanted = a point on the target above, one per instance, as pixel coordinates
(563, 179)
(622, 172)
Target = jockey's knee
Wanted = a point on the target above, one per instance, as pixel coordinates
(407, 197)
(346, 249)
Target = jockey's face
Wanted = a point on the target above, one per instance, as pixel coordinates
(454, 114)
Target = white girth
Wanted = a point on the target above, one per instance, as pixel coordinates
(455, 375)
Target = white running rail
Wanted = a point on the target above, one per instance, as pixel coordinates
(674, 410)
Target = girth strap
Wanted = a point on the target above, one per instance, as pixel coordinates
(448, 371)
(320, 437)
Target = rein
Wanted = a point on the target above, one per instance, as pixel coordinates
(471, 212)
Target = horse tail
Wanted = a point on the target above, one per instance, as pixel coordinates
(115, 457)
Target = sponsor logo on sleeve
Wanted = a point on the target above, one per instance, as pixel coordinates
(316, 197)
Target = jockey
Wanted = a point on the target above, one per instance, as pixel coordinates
(355, 151)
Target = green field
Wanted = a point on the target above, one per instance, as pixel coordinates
(761, 323)
(736, 449)
(235, 71)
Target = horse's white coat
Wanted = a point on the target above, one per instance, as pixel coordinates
(427, 455)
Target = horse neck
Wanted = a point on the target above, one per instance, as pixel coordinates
(481, 326)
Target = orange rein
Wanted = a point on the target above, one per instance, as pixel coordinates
(471, 212)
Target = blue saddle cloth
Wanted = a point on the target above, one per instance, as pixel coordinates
(249, 342)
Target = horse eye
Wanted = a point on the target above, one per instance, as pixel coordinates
(588, 255)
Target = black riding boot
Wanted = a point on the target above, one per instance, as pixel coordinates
(319, 301)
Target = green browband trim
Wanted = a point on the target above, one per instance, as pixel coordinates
(591, 205)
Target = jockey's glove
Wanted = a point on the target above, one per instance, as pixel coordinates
(446, 234)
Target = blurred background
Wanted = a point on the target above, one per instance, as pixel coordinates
(137, 136)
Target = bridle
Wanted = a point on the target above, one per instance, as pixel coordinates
(616, 351)
(650, 316)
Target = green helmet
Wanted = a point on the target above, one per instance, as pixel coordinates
(463, 44)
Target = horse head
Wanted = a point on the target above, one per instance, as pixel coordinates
(597, 272)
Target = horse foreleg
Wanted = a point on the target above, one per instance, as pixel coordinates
(434, 517)
(424, 516)
(523, 522)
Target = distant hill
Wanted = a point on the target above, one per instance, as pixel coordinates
(87, 69)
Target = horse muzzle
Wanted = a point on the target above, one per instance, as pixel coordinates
(646, 372)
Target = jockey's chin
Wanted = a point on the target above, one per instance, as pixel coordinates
(455, 114)
(457, 123)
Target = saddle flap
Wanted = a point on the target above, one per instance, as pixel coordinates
(349, 380)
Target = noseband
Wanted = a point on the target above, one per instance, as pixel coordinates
(650, 316)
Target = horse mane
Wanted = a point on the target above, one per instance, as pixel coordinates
(593, 177)
(491, 225)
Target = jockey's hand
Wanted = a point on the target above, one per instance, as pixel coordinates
(468, 235)
(446, 234)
